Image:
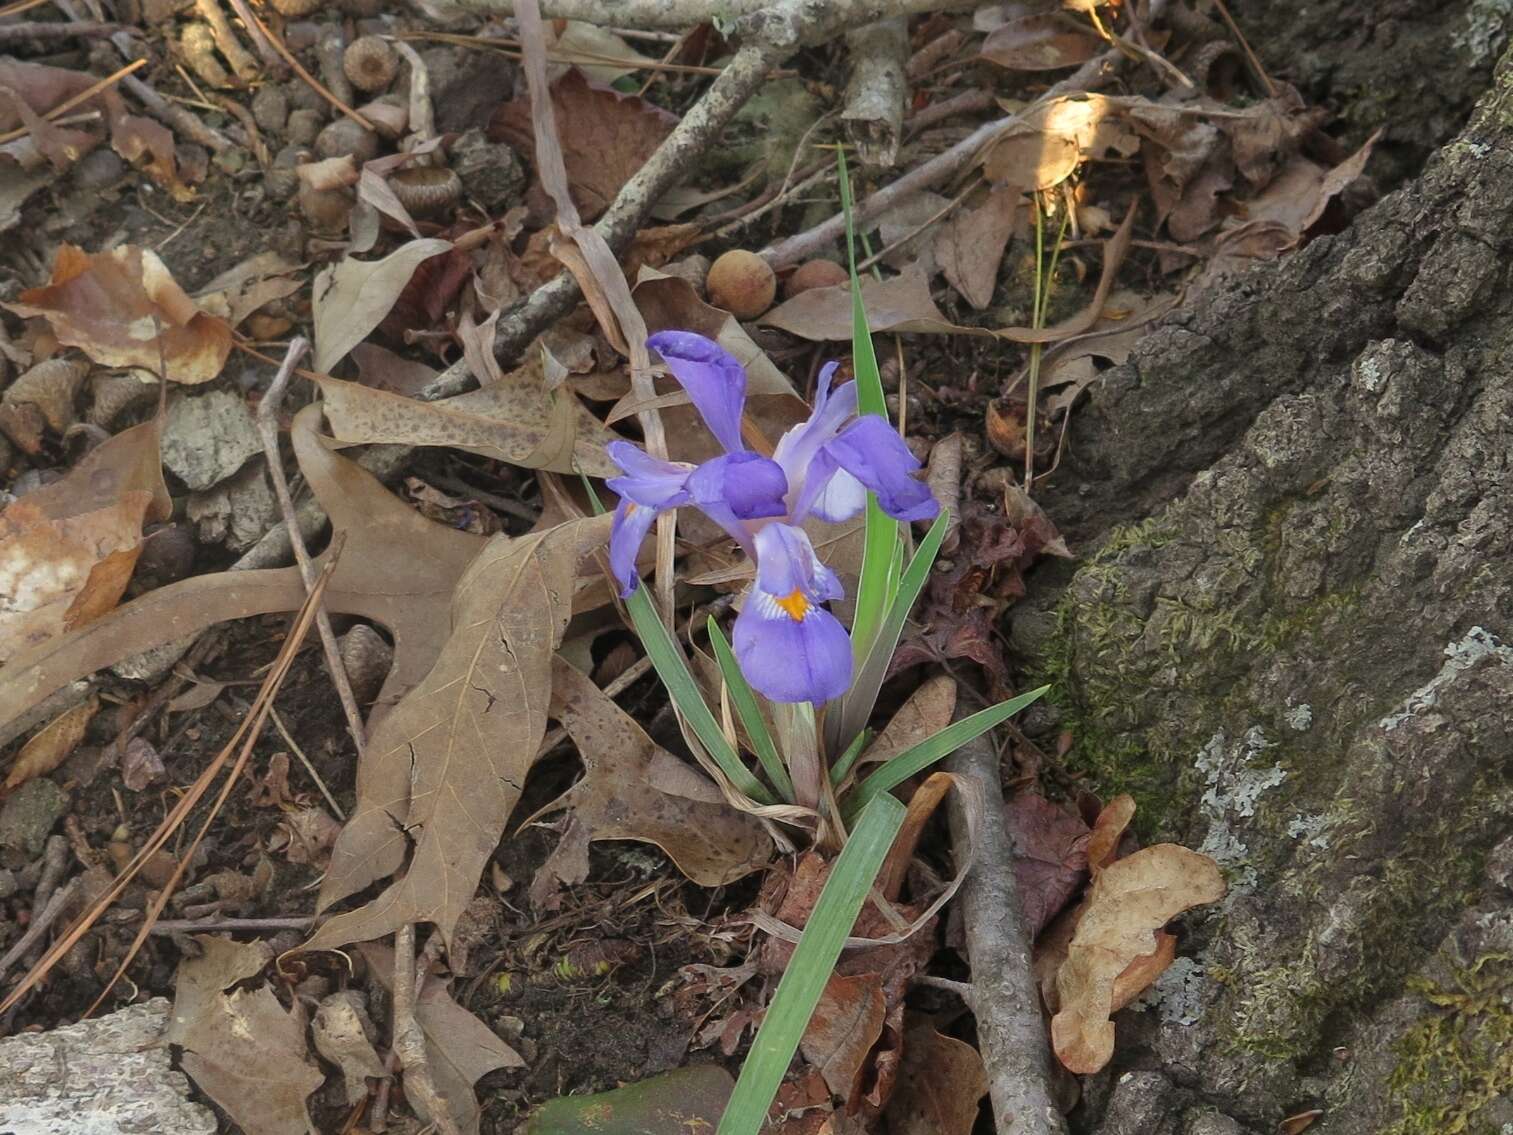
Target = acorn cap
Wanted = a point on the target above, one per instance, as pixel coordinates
(426, 189)
(370, 63)
(742, 283)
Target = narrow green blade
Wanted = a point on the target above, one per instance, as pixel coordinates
(921, 756)
(873, 593)
(746, 708)
(859, 700)
(668, 661)
(842, 767)
(813, 961)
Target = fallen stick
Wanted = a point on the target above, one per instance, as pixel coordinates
(1011, 1030)
(52, 29)
(38, 926)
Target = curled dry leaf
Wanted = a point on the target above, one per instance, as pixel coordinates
(460, 1048)
(632, 788)
(51, 745)
(1051, 139)
(242, 289)
(67, 550)
(1129, 902)
(1050, 856)
(606, 136)
(122, 308)
(340, 1030)
(244, 1050)
(940, 1084)
(446, 766)
(925, 714)
(970, 246)
(352, 297)
(845, 1025)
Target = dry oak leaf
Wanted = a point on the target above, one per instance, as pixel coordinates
(444, 769)
(1039, 42)
(122, 308)
(1129, 902)
(244, 1050)
(940, 1084)
(969, 248)
(352, 297)
(51, 745)
(67, 550)
(606, 136)
(460, 1048)
(847, 1022)
(635, 789)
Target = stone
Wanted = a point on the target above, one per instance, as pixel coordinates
(207, 437)
(238, 511)
(29, 815)
(491, 172)
(109, 1075)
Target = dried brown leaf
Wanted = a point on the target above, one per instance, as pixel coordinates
(606, 136)
(122, 307)
(632, 788)
(444, 768)
(51, 745)
(1051, 139)
(846, 1023)
(243, 1049)
(1129, 901)
(970, 247)
(940, 1084)
(926, 713)
(67, 550)
(352, 297)
(1039, 42)
(340, 1031)
(460, 1048)
(1050, 856)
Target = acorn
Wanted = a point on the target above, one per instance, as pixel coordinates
(327, 210)
(814, 274)
(370, 63)
(295, 8)
(346, 137)
(742, 283)
(426, 190)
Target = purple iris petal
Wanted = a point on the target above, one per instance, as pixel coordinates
(872, 452)
(829, 492)
(797, 448)
(790, 648)
(751, 485)
(714, 380)
(648, 481)
(627, 532)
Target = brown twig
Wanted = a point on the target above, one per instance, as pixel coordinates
(82, 97)
(1250, 56)
(267, 428)
(38, 926)
(52, 29)
(1011, 1031)
(226, 41)
(260, 41)
(230, 925)
(299, 69)
(409, 1038)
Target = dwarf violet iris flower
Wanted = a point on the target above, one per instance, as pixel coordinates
(789, 646)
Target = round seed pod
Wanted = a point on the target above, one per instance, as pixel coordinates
(344, 137)
(814, 274)
(425, 190)
(370, 63)
(742, 283)
(295, 8)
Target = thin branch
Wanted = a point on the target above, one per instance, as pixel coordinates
(877, 89)
(1011, 1030)
(410, 1040)
(267, 428)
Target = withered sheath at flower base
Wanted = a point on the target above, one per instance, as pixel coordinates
(790, 647)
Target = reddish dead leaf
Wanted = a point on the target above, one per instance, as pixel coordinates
(1302, 1121)
(51, 745)
(606, 136)
(634, 789)
(940, 1085)
(67, 550)
(121, 308)
(970, 246)
(422, 304)
(1050, 856)
(1039, 43)
(846, 1023)
(1130, 900)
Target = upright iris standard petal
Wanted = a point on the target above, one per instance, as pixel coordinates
(714, 380)
(790, 648)
(872, 452)
(797, 449)
(626, 534)
(646, 480)
(829, 492)
(752, 486)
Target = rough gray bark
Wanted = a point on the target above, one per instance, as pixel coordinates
(106, 1076)
(1290, 641)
